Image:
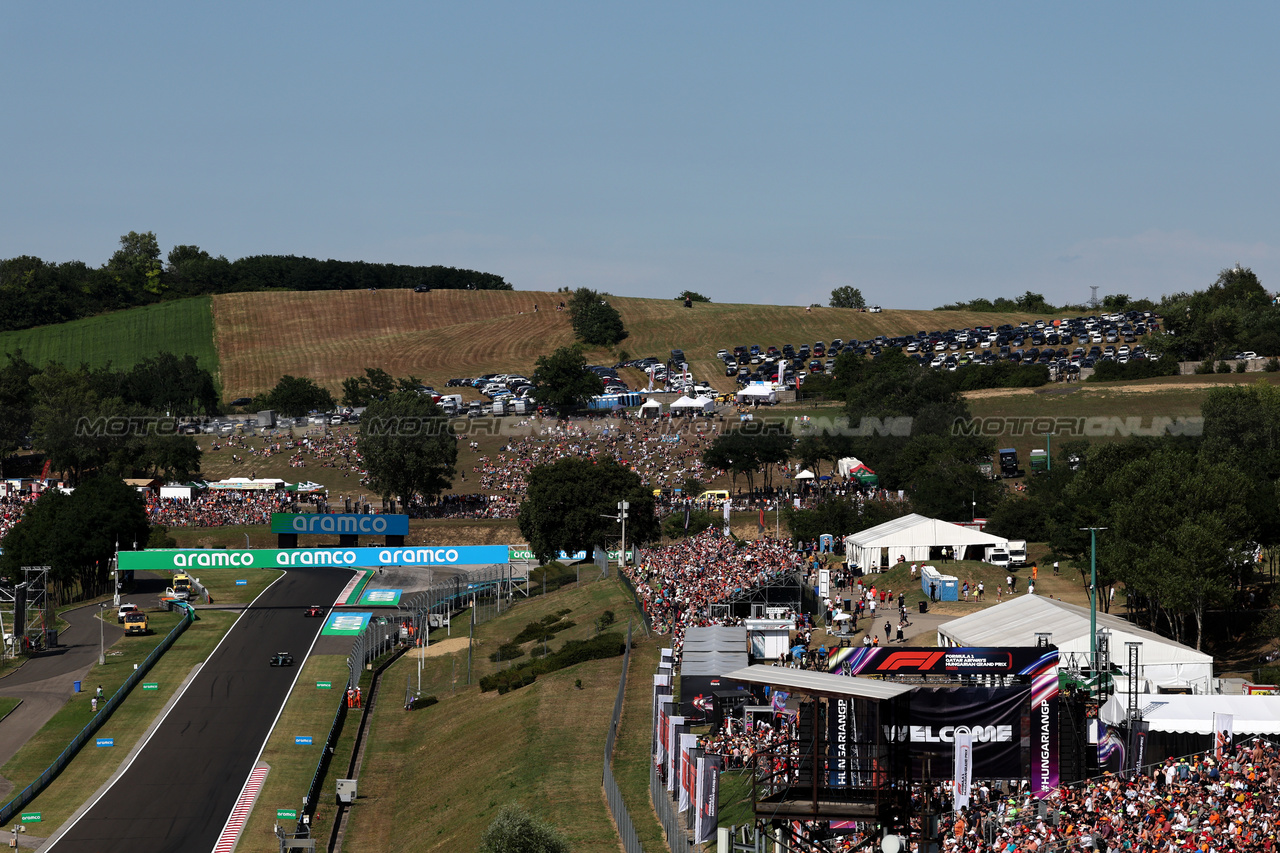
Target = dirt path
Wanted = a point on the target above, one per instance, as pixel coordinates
(439, 647)
(1123, 389)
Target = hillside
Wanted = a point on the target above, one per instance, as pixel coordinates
(123, 338)
(443, 334)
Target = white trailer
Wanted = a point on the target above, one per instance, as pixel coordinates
(996, 555)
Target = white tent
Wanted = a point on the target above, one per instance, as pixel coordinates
(847, 464)
(804, 475)
(651, 408)
(757, 393)
(707, 403)
(1161, 661)
(1252, 715)
(687, 404)
(911, 537)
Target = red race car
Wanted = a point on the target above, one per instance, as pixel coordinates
(314, 610)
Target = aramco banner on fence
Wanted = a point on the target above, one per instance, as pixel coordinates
(263, 558)
(355, 523)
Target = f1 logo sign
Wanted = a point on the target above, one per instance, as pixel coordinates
(909, 660)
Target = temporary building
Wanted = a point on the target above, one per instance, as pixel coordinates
(845, 466)
(804, 475)
(757, 394)
(1251, 715)
(688, 405)
(1162, 663)
(651, 408)
(911, 537)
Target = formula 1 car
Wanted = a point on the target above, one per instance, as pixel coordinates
(282, 659)
(314, 610)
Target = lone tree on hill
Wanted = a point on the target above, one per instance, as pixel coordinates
(847, 297)
(594, 320)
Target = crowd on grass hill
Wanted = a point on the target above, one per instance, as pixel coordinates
(662, 459)
(219, 508)
(678, 584)
(11, 510)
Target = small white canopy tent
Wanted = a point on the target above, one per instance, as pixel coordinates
(650, 408)
(707, 403)
(911, 537)
(1251, 715)
(847, 464)
(804, 475)
(1161, 661)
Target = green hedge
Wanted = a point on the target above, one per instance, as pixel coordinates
(543, 630)
(573, 652)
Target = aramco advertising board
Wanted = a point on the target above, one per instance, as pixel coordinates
(263, 558)
(350, 523)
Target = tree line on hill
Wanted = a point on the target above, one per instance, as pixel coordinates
(104, 420)
(1035, 303)
(34, 292)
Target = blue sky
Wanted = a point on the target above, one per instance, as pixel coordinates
(923, 152)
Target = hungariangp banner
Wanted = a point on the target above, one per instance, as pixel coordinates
(354, 523)
(264, 558)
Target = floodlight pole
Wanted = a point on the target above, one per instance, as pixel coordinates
(102, 642)
(1093, 597)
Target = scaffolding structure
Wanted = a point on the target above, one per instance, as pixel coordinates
(25, 620)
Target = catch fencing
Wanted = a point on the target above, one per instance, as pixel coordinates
(487, 592)
(50, 773)
(613, 795)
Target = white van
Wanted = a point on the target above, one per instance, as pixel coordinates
(996, 556)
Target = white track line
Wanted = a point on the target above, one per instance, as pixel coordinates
(138, 751)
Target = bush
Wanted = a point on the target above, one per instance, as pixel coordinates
(600, 647)
(515, 831)
(1142, 368)
(1272, 365)
(1223, 367)
(423, 702)
(556, 575)
(1205, 366)
(507, 651)
(542, 630)
(1241, 366)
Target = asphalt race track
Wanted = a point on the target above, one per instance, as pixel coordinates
(181, 787)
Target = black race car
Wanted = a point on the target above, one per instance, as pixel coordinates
(282, 659)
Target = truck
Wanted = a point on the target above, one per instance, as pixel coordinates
(1039, 461)
(1009, 463)
(135, 622)
(181, 586)
(996, 555)
(1017, 552)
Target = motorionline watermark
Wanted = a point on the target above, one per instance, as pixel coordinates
(124, 426)
(1093, 426)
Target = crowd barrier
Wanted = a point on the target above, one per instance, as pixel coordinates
(50, 773)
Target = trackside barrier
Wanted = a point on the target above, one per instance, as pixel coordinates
(635, 596)
(617, 807)
(312, 799)
(42, 781)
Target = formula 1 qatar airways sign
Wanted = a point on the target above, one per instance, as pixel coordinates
(352, 523)
(207, 558)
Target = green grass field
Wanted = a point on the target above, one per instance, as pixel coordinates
(7, 705)
(461, 760)
(123, 338)
(308, 711)
(93, 766)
